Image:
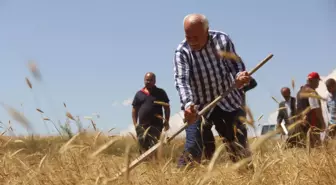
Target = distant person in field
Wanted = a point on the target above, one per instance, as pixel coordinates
(287, 110)
(314, 118)
(201, 75)
(147, 112)
(331, 105)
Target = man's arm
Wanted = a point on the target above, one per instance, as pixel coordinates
(235, 67)
(166, 108)
(253, 83)
(280, 116)
(134, 115)
(316, 109)
(181, 78)
(135, 109)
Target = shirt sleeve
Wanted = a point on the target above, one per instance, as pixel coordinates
(235, 67)
(314, 103)
(136, 102)
(181, 78)
(165, 97)
(253, 83)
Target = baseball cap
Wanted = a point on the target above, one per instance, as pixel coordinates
(314, 75)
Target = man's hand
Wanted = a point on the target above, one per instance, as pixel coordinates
(242, 79)
(190, 114)
(166, 125)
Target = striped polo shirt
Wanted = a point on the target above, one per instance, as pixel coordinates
(331, 104)
(201, 76)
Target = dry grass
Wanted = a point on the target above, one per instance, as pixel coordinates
(88, 159)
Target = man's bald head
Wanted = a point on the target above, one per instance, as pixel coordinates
(195, 19)
(196, 28)
(331, 85)
(150, 80)
(285, 92)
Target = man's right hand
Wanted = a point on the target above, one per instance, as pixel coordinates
(190, 114)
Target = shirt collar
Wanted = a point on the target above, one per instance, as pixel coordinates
(147, 92)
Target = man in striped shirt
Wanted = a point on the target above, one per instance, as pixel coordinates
(200, 77)
(331, 105)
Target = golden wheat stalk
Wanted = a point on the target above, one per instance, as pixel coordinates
(293, 84)
(29, 83)
(211, 165)
(94, 125)
(42, 161)
(311, 95)
(16, 152)
(39, 110)
(260, 117)
(161, 103)
(69, 115)
(34, 70)
(96, 138)
(146, 133)
(134, 138)
(308, 140)
(160, 149)
(67, 144)
(275, 99)
(16, 115)
(103, 147)
(229, 56)
(250, 115)
(110, 130)
(127, 161)
(88, 117)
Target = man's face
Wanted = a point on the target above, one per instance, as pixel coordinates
(196, 36)
(285, 93)
(149, 81)
(315, 83)
(331, 88)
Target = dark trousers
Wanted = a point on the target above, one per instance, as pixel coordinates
(148, 139)
(200, 138)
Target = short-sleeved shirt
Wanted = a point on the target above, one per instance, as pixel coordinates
(147, 109)
(331, 104)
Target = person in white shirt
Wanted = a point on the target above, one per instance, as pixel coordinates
(287, 109)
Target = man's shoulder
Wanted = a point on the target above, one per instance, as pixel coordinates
(159, 89)
(330, 97)
(138, 93)
(216, 35)
(183, 47)
(282, 103)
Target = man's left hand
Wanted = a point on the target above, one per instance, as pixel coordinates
(166, 126)
(242, 79)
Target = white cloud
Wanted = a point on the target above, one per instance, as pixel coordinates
(127, 102)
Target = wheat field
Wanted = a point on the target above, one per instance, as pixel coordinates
(95, 158)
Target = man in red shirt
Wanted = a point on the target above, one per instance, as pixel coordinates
(314, 118)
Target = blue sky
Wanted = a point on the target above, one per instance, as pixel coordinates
(93, 54)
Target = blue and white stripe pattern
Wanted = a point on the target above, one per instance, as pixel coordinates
(331, 104)
(201, 76)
